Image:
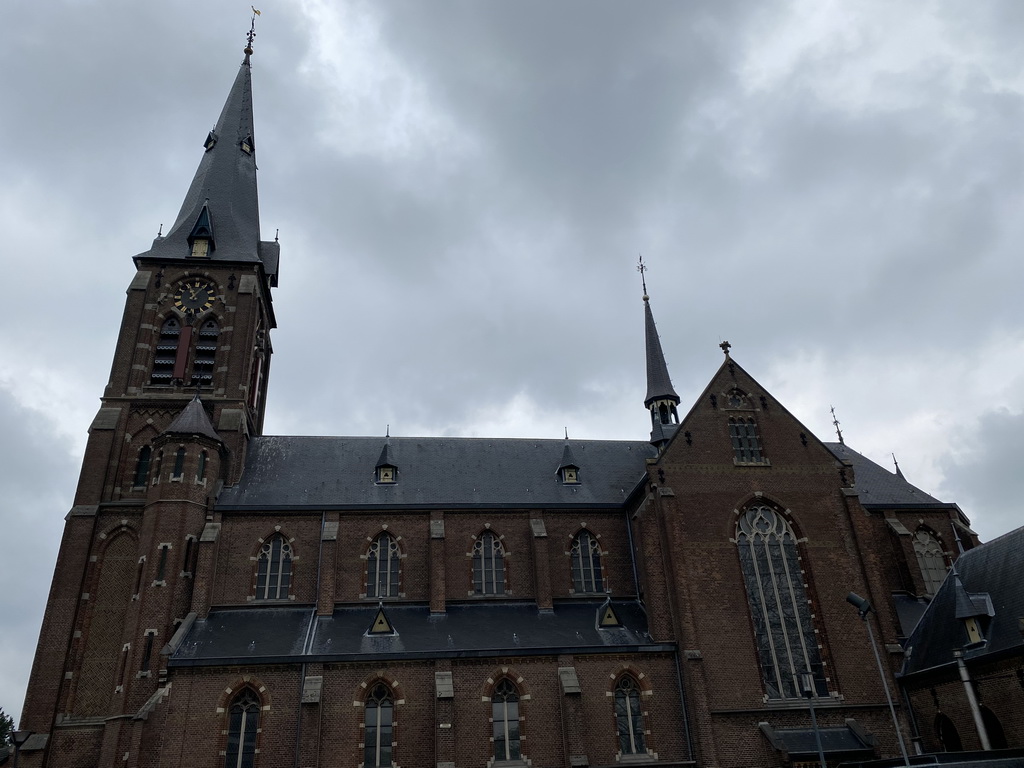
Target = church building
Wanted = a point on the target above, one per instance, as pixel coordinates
(229, 599)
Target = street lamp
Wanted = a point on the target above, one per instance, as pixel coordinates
(863, 607)
(807, 687)
(19, 738)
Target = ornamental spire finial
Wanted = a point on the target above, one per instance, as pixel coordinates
(835, 423)
(641, 268)
(250, 35)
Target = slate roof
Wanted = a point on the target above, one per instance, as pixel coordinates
(193, 420)
(224, 183)
(878, 486)
(434, 472)
(993, 568)
(659, 385)
(277, 635)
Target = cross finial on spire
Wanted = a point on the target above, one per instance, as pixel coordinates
(566, 433)
(641, 268)
(726, 346)
(387, 431)
(251, 34)
(835, 423)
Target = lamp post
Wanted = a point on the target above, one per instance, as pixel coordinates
(807, 686)
(19, 738)
(863, 607)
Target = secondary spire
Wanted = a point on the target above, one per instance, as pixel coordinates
(661, 396)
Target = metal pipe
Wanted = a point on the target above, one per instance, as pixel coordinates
(972, 700)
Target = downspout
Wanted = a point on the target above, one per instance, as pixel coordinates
(306, 642)
(682, 703)
(972, 700)
(632, 557)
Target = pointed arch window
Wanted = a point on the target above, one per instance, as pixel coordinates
(382, 567)
(949, 736)
(505, 718)
(206, 353)
(994, 729)
(746, 443)
(629, 719)
(488, 565)
(786, 642)
(274, 569)
(378, 732)
(166, 352)
(201, 468)
(179, 462)
(586, 563)
(243, 724)
(930, 559)
(142, 467)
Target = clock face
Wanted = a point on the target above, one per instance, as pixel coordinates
(194, 295)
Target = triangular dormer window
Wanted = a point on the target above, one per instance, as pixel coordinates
(568, 469)
(247, 144)
(381, 625)
(200, 239)
(211, 139)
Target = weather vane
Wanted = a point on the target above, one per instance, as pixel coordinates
(641, 268)
(835, 423)
(251, 35)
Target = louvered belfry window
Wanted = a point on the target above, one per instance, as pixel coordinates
(746, 444)
(787, 645)
(166, 352)
(206, 353)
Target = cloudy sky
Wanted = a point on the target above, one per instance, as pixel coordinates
(462, 189)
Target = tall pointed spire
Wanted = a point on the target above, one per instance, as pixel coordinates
(219, 218)
(661, 396)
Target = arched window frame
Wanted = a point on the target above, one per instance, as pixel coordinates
(142, 465)
(746, 440)
(585, 563)
(931, 559)
(179, 463)
(488, 557)
(274, 569)
(166, 352)
(784, 631)
(205, 355)
(204, 458)
(630, 728)
(243, 729)
(378, 726)
(383, 567)
(947, 734)
(506, 731)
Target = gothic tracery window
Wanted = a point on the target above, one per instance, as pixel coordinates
(786, 642)
(629, 720)
(488, 565)
(930, 559)
(505, 718)
(142, 467)
(243, 723)
(382, 566)
(586, 563)
(378, 731)
(274, 569)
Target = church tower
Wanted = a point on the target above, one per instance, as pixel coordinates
(186, 392)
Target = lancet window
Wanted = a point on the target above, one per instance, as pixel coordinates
(382, 567)
(243, 724)
(586, 563)
(488, 565)
(378, 731)
(274, 569)
(629, 719)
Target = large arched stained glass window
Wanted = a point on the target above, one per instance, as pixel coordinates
(274, 569)
(505, 716)
(243, 722)
(786, 643)
(629, 719)
(382, 563)
(378, 732)
(488, 565)
(586, 563)
(930, 559)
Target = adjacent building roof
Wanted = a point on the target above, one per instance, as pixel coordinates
(434, 472)
(878, 486)
(277, 635)
(992, 569)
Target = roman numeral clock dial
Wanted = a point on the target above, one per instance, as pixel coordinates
(194, 296)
